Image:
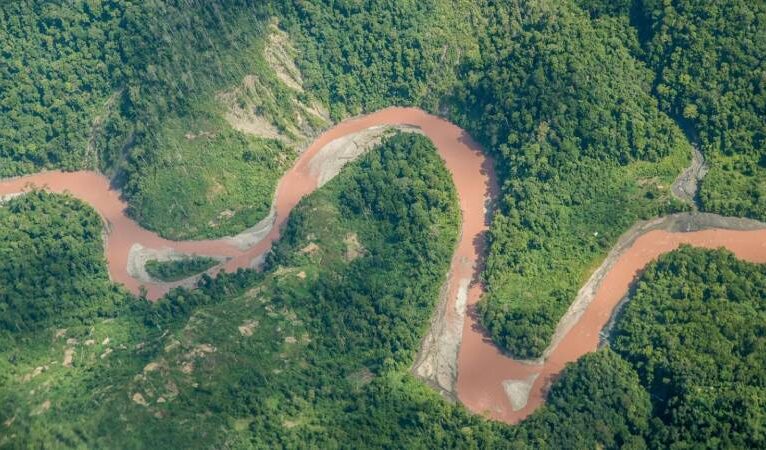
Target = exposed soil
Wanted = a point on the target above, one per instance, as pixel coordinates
(280, 54)
(68, 357)
(247, 327)
(354, 248)
(7, 197)
(243, 116)
(244, 105)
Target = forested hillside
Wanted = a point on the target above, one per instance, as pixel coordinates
(583, 151)
(52, 265)
(710, 59)
(135, 89)
(362, 56)
(195, 109)
(694, 332)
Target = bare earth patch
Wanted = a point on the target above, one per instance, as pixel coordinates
(354, 248)
(247, 328)
(310, 249)
(187, 367)
(151, 367)
(138, 398)
(289, 423)
(244, 105)
(246, 119)
(68, 356)
(43, 408)
(280, 54)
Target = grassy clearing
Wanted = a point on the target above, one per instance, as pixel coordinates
(208, 179)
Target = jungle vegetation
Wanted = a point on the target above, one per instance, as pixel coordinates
(575, 99)
(52, 266)
(710, 61)
(583, 153)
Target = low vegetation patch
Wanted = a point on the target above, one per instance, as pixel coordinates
(178, 269)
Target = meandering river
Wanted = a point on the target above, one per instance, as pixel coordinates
(487, 381)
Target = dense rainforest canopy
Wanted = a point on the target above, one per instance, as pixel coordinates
(52, 263)
(710, 60)
(196, 108)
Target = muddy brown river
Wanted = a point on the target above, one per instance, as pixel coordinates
(488, 382)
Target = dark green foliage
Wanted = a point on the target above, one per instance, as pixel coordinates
(553, 91)
(596, 403)
(179, 164)
(598, 8)
(362, 56)
(710, 59)
(380, 304)
(397, 411)
(178, 269)
(696, 333)
(120, 85)
(52, 266)
(60, 65)
(583, 154)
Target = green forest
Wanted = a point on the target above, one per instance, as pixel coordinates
(710, 60)
(195, 109)
(582, 103)
(583, 152)
(52, 267)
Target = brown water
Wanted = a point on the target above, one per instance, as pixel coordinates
(482, 367)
